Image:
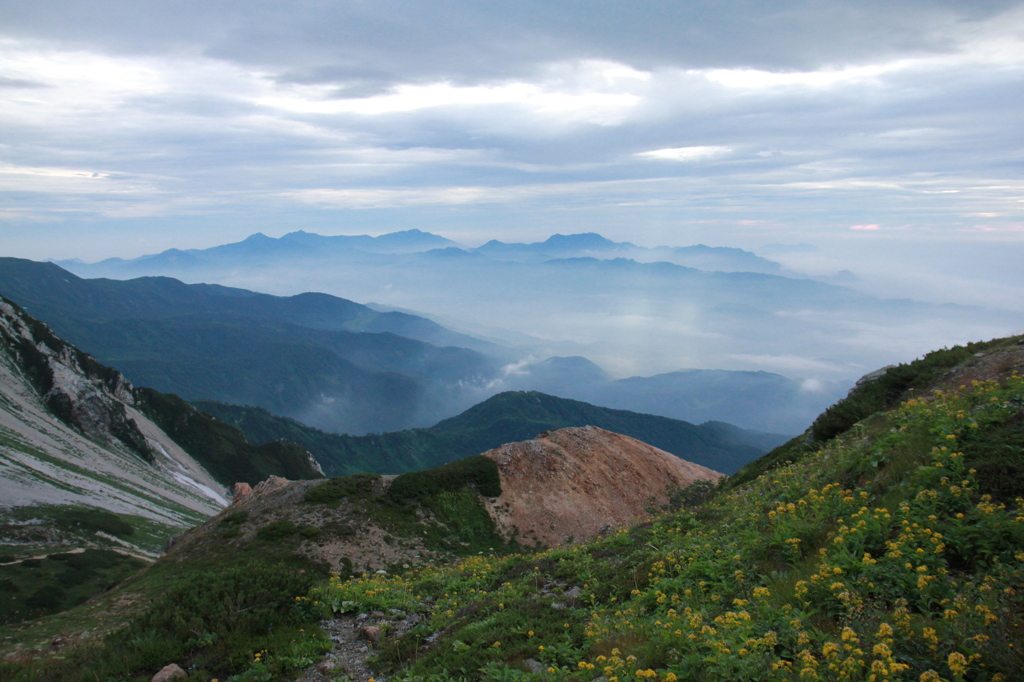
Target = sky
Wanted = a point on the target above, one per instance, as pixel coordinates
(885, 138)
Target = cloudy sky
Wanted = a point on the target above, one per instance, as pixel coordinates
(889, 136)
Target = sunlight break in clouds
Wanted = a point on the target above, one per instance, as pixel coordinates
(685, 153)
(864, 228)
(592, 91)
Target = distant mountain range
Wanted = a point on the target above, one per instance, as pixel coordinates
(592, 245)
(508, 417)
(344, 367)
(259, 248)
(632, 310)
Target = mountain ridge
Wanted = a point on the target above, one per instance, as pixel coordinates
(508, 417)
(891, 545)
(177, 337)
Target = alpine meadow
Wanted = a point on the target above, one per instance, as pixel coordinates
(511, 342)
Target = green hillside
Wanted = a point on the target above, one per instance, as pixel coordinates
(894, 554)
(318, 358)
(505, 418)
(222, 449)
(882, 393)
(893, 550)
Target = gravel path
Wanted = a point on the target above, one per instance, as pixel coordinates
(352, 646)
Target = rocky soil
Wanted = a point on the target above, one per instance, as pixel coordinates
(571, 483)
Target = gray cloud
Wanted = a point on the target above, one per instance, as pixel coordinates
(130, 127)
(463, 39)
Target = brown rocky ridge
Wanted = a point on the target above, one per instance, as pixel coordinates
(571, 483)
(562, 486)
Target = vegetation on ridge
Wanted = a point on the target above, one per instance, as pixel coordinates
(880, 393)
(878, 557)
(508, 417)
(893, 551)
(222, 449)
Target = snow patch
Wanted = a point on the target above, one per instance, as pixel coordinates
(204, 489)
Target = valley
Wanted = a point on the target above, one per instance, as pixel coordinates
(891, 524)
(529, 341)
(224, 522)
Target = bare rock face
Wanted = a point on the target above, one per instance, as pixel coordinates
(571, 483)
(242, 492)
(83, 395)
(270, 485)
(170, 672)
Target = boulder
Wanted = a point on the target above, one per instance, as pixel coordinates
(169, 672)
(242, 491)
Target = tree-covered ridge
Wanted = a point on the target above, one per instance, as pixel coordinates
(222, 449)
(508, 417)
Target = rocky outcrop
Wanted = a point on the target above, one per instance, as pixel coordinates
(82, 393)
(571, 483)
(243, 491)
(170, 672)
(270, 485)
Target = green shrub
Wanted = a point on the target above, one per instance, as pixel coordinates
(211, 620)
(235, 518)
(94, 520)
(695, 494)
(47, 598)
(997, 453)
(331, 491)
(276, 531)
(479, 473)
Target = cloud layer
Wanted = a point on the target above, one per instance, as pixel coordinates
(131, 127)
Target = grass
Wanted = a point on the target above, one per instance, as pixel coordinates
(34, 588)
(879, 395)
(877, 554)
(880, 553)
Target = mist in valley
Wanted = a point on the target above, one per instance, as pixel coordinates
(575, 317)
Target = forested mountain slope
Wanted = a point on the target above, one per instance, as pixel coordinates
(505, 418)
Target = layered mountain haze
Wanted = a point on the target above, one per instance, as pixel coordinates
(344, 367)
(305, 356)
(634, 311)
